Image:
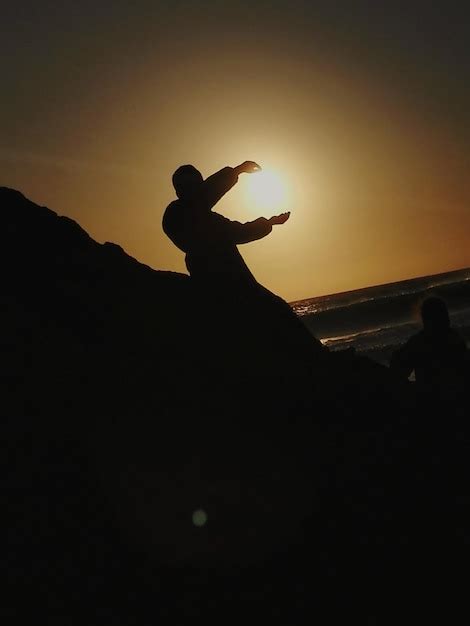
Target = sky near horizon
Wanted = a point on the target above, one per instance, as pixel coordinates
(362, 108)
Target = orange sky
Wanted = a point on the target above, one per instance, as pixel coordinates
(377, 170)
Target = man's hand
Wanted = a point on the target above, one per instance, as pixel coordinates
(247, 167)
(279, 219)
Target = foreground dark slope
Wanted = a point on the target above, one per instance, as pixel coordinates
(129, 404)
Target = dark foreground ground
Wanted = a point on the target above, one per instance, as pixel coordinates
(332, 491)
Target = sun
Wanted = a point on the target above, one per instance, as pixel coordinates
(267, 190)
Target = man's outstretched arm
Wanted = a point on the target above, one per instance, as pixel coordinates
(257, 229)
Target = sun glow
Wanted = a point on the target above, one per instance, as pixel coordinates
(267, 190)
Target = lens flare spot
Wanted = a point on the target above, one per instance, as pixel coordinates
(199, 518)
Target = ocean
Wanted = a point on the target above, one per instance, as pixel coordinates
(377, 320)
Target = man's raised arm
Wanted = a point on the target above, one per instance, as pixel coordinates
(218, 184)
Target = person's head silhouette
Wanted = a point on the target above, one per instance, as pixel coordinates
(186, 180)
(435, 315)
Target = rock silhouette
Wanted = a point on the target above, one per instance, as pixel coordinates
(127, 410)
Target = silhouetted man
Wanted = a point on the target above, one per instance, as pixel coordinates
(437, 353)
(210, 240)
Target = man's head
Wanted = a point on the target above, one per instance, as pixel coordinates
(186, 180)
(435, 315)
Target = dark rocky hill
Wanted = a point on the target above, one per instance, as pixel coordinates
(132, 401)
